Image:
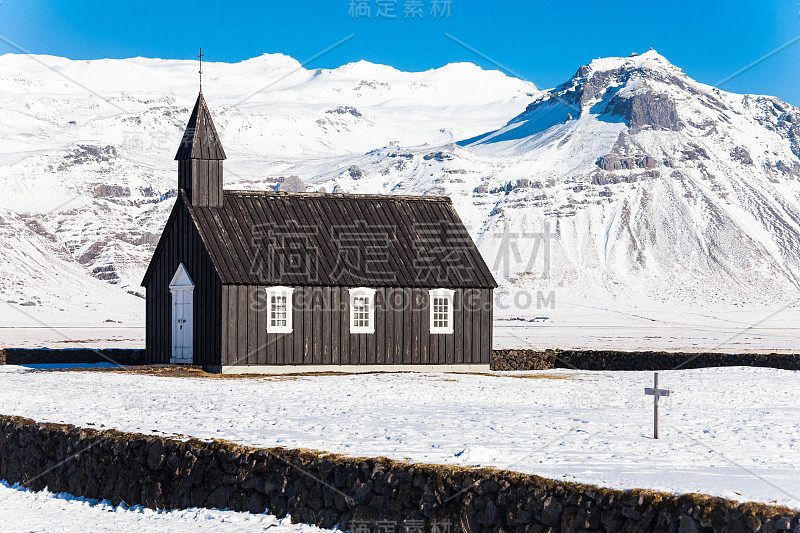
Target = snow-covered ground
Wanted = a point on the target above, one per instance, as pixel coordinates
(699, 338)
(599, 326)
(66, 514)
(572, 323)
(731, 432)
(59, 336)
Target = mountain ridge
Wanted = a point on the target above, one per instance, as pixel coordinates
(661, 192)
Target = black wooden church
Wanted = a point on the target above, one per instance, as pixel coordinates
(274, 281)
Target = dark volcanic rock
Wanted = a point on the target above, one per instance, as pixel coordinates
(617, 162)
(523, 359)
(292, 184)
(646, 110)
(345, 110)
(741, 154)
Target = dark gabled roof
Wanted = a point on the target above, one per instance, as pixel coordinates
(302, 239)
(200, 139)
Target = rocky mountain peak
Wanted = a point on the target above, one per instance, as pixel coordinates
(632, 80)
(653, 175)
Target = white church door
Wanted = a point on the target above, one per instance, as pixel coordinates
(182, 289)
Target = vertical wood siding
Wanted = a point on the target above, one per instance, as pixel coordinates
(182, 244)
(321, 329)
(201, 179)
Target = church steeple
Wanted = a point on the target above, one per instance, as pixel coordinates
(200, 157)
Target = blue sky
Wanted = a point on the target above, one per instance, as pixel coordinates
(544, 42)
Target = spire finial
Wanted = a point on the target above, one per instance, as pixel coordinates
(201, 69)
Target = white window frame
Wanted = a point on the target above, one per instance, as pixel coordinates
(370, 294)
(279, 291)
(448, 295)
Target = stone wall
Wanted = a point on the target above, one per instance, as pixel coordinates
(38, 356)
(329, 490)
(501, 359)
(613, 360)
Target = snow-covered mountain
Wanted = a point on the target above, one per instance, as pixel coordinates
(659, 192)
(86, 158)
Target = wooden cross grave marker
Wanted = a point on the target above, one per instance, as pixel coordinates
(655, 392)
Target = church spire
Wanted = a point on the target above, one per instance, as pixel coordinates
(200, 140)
(200, 157)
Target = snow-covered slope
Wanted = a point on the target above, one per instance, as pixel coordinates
(86, 158)
(661, 193)
(657, 185)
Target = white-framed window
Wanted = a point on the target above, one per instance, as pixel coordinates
(279, 309)
(362, 310)
(441, 310)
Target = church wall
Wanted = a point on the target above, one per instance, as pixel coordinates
(321, 329)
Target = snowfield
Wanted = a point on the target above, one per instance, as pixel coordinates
(67, 514)
(596, 325)
(571, 323)
(730, 432)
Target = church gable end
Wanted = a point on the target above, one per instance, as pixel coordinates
(181, 244)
